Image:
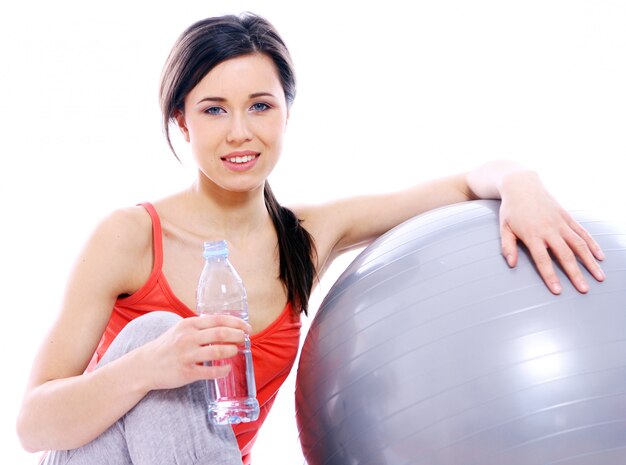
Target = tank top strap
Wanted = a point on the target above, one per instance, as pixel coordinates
(157, 236)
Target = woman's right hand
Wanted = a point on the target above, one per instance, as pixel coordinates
(178, 356)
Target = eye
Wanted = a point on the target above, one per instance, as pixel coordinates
(214, 111)
(260, 106)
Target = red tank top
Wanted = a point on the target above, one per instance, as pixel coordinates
(274, 349)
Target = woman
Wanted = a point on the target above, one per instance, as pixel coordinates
(105, 391)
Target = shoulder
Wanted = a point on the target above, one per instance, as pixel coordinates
(326, 223)
(126, 227)
(312, 213)
(121, 237)
(328, 217)
(119, 250)
(311, 216)
(129, 219)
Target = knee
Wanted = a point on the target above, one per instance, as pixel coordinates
(149, 326)
(154, 323)
(139, 331)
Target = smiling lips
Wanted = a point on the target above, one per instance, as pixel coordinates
(240, 161)
(245, 159)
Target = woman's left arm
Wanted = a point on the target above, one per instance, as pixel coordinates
(528, 213)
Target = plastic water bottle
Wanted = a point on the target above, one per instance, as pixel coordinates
(232, 399)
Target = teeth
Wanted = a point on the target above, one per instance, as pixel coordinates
(245, 159)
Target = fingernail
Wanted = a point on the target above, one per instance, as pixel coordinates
(556, 288)
(600, 254)
(582, 285)
(509, 259)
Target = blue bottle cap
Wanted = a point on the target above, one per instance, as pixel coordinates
(215, 249)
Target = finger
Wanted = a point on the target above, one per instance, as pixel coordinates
(212, 355)
(591, 243)
(566, 258)
(209, 320)
(508, 243)
(220, 334)
(210, 371)
(543, 262)
(216, 352)
(580, 248)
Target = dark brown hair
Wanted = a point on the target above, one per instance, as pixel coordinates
(200, 48)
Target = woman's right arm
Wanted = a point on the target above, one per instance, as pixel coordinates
(64, 408)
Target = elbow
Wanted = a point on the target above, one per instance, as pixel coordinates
(24, 434)
(466, 187)
(28, 427)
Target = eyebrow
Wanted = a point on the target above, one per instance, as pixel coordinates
(222, 99)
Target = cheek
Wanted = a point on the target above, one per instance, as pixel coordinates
(202, 137)
(273, 132)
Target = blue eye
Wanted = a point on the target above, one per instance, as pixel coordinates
(214, 110)
(260, 107)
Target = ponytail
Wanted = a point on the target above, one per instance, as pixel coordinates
(295, 249)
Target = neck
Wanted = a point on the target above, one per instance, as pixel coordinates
(231, 214)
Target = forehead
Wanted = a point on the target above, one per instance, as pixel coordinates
(244, 75)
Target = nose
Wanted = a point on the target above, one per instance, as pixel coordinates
(239, 129)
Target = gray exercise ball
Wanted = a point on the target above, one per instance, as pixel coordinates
(430, 350)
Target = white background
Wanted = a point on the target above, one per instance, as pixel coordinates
(390, 93)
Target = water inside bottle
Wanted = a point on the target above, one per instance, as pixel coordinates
(232, 399)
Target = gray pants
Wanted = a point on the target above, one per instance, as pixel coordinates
(166, 427)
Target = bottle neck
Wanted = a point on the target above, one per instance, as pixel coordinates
(215, 249)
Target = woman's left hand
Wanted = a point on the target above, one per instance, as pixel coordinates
(530, 214)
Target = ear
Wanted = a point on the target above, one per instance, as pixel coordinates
(179, 116)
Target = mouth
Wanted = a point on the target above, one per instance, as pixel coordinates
(240, 161)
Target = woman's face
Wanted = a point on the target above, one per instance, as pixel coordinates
(234, 120)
